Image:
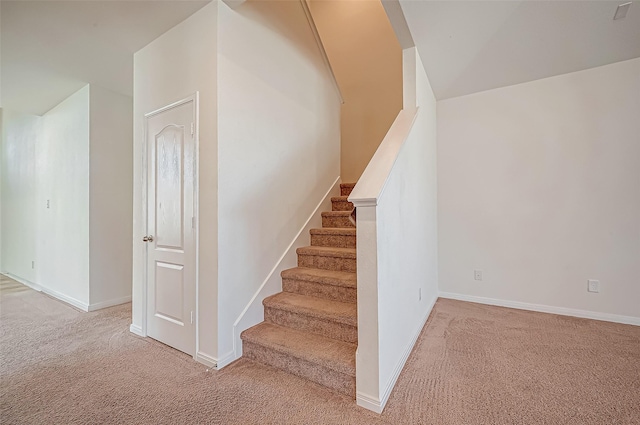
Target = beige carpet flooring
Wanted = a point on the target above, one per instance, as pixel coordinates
(473, 364)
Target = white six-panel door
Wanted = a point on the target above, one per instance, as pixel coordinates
(170, 236)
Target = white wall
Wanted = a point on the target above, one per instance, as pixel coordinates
(396, 201)
(20, 137)
(279, 145)
(172, 67)
(110, 196)
(78, 158)
(62, 177)
(539, 187)
(408, 239)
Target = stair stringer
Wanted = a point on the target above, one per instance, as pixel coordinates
(253, 313)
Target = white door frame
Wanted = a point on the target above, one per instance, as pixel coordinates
(195, 98)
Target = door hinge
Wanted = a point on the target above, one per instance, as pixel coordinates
(193, 222)
(192, 317)
(192, 128)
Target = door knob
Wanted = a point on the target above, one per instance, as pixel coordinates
(147, 238)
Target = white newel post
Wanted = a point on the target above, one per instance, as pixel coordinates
(368, 354)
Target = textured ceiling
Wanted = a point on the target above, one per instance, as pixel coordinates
(471, 46)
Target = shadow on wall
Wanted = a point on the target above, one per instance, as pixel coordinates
(367, 61)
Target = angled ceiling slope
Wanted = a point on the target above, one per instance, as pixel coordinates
(51, 49)
(472, 46)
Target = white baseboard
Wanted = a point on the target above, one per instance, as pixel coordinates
(67, 299)
(55, 294)
(405, 356)
(369, 403)
(135, 329)
(585, 314)
(25, 282)
(214, 363)
(377, 405)
(109, 303)
(206, 360)
(226, 360)
(253, 313)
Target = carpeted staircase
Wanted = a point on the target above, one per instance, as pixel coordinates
(311, 329)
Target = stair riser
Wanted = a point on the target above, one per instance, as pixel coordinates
(327, 263)
(341, 206)
(326, 377)
(342, 221)
(320, 290)
(345, 191)
(335, 241)
(326, 328)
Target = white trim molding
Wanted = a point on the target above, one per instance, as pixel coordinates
(225, 360)
(206, 360)
(540, 308)
(388, 387)
(369, 402)
(378, 405)
(66, 299)
(25, 282)
(374, 178)
(137, 330)
(323, 52)
(399, 23)
(109, 303)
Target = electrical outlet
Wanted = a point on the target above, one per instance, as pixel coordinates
(593, 285)
(33, 264)
(477, 274)
(48, 204)
(419, 294)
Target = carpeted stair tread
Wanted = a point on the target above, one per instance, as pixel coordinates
(325, 251)
(330, 353)
(341, 203)
(326, 277)
(319, 308)
(334, 231)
